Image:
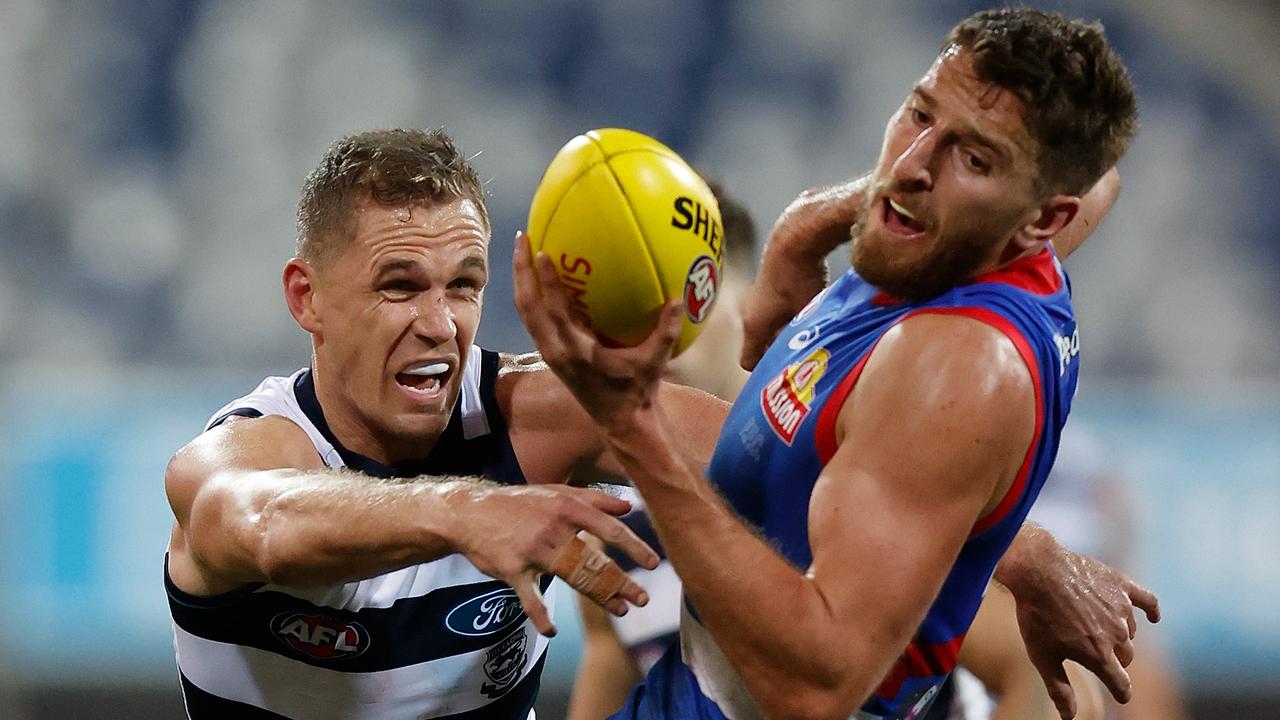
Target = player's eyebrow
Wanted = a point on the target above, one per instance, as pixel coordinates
(390, 267)
(473, 262)
(964, 130)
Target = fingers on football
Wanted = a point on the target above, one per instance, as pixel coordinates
(1057, 685)
(657, 346)
(526, 287)
(1145, 599)
(555, 299)
(526, 587)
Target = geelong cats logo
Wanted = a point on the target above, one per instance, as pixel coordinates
(503, 664)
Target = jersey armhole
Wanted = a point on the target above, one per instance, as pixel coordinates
(247, 412)
(825, 431)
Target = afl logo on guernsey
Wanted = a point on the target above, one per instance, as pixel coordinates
(700, 288)
(320, 637)
(487, 614)
(785, 400)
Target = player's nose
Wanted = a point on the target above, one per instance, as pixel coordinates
(433, 320)
(913, 169)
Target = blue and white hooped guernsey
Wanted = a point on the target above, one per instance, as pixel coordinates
(436, 640)
(781, 432)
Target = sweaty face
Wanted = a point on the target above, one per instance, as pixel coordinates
(953, 184)
(397, 311)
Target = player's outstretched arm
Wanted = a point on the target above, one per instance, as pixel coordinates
(254, 503)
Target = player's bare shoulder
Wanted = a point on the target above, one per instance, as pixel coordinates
(260, 443)
(954, 349)
(528, 391)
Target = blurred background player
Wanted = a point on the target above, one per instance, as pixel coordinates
(996, 681)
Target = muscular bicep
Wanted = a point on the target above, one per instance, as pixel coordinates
(928, 441)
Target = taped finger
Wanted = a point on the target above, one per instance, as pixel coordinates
(588, 571)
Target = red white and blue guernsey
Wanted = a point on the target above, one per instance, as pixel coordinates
(781, 431)
(436, 640)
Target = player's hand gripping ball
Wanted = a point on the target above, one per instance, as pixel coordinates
(628, 225)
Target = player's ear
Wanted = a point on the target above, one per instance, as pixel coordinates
(300, 293)
(1054, 214)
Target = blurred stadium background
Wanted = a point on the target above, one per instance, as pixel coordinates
(150, 157)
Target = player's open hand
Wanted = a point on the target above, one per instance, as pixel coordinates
(611, 383)
(516, 534)
(1074, 607)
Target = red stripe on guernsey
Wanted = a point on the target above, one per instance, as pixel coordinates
(824, 433)
(1036, 274)
(1002, 324)
(921, 660)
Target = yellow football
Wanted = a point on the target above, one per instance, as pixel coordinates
(629, 225)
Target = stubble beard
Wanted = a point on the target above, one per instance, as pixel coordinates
(945, 266)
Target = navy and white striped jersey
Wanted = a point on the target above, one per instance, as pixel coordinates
(436, 640)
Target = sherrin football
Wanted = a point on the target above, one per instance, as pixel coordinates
(628, 225)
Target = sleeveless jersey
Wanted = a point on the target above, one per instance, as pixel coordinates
(435, 640)
(781, 432)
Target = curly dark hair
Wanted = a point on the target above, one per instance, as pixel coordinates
(387, 167)
(1080, 102)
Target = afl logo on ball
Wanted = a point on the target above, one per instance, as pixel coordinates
(320, 637)
(700, 288)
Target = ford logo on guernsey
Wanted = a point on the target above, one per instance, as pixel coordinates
(486, 614)
(320, 637)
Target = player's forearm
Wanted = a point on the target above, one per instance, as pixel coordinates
(300, 528)
(736, 581)
(1020, 567)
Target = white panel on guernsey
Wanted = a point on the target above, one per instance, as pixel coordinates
(274, 396)
(474, 420)
(270, 681)
(716, 677)
(661, 615)
(384, 590)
